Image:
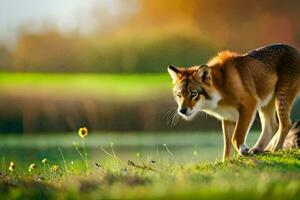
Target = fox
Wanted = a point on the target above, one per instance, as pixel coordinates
(233, 87)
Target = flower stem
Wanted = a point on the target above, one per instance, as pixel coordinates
(3, 164)
(44, 169)
(49, 169)
(85, 156)
(63, 158)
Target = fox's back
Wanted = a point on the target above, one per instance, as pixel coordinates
(280, 57)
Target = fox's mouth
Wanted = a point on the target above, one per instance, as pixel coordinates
(187, 116)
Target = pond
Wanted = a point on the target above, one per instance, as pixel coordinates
(182, 147)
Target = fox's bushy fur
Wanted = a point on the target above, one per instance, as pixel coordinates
(292, 139)
(233, 87)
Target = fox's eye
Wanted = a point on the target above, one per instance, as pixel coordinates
(178, 94)
(194, 93)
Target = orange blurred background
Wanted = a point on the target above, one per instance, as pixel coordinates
(59, 39)
(75, 36)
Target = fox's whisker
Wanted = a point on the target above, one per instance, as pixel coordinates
(169, 116)
(170, 111)
(172, 119)
(175, 120)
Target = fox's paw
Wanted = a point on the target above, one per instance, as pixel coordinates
(292, 139)
(255, 150)
(244, 150)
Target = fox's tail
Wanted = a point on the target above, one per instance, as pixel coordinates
(292, 139)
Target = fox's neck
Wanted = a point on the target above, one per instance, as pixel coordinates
(221, 110)
(224, 112)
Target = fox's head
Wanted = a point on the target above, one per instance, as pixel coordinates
(193, 90)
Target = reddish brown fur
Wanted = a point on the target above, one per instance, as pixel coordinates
(266, 79)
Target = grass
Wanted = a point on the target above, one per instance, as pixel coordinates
(272, 175)
(85, 85)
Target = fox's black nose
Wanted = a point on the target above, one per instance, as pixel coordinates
(183, 110)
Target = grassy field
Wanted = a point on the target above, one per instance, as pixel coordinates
(122, 86)
(127, 86)
(142, 166)
(131, 165)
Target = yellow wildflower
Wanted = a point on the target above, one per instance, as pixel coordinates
(54, 168)
(32, 167)
(45, 161)
(83, 132)
(12, 167)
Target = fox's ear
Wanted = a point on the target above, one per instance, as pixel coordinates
(174, 73)
(204, 73)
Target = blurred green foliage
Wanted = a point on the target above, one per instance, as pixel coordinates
(41, 102)
(144, 52)
(105, 87)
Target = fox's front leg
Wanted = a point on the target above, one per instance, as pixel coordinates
(227, 127)
(243, 125)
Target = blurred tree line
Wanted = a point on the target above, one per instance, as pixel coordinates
(144, 37)
(41, 114)
(152, 33)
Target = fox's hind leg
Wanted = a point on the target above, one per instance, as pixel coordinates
(284, 99)
(269, 125)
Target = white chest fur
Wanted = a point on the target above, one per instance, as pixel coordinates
(224, 113)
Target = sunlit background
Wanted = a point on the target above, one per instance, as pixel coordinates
(102, 63)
